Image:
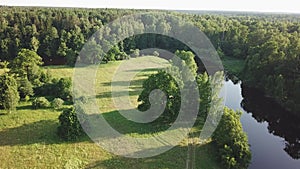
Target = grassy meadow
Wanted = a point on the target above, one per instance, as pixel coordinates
(28, 137)
(233, 66)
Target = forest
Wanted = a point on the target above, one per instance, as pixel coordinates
(269, 45)
(35, 42)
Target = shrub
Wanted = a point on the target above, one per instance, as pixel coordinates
(155, 53)
(57, 103)
(25, 88)
(135, 53)
(232, 142)
(40, 102)
(27, 98)
(70, 128)
(57, 88)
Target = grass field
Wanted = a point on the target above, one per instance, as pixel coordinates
(28, 137)
(233, 66)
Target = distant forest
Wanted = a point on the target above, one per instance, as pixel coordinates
(269, 43)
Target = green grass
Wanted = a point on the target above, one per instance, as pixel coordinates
(28, 137)
(233, 66)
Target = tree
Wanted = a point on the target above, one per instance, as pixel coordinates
(27, 65)
(204, 92)
(40, 102)
(9, 95)
(50, 42)
(232, 142)
(34, 44)
(57, 103)
(63, 88)
(188, 58)
(25, 88)
(70, 127)
(166, 83)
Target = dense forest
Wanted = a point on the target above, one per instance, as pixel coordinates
(270, 45)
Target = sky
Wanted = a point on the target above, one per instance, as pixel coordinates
(286, 6)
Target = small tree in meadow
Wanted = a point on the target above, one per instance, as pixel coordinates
(70, 127)
(40, 102)
(57, 103)
(9, 95)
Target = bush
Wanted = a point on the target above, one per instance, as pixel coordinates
(70, 128)
(25, 88)
(135, 53)
(40, 102)
(57, 88)
(155, 53)
(26, 99)
(57, 103)
(232, 142)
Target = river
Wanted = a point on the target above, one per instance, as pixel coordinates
(273, 135)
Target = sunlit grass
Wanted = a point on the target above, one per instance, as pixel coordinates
(1, 71)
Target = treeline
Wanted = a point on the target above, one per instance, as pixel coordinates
(57, 35)
(269, 44)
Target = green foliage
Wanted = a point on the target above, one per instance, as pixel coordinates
(70, 128)
(273, 67)
(9, 95)
(27, 65)
(115, 54)
(166, 83)
(40, 102)
(63, 88)
(60, 88)
(25, 88)
(171, 81)
(26, 99)
(204, 87)
(45, 76)
(232, 142)
(57, 103)
(92, 52)
(188, 58)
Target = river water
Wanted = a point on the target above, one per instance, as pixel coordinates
(273, 135)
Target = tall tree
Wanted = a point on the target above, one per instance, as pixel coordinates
(27, 64)
(9, 95)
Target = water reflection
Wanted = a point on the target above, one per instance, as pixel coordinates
(280, 122)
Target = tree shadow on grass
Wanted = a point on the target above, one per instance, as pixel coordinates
(175, 158)
(43, 131)
(144, 70)
(122, 83)
(25, 107)
(106, 95)
(125, 126)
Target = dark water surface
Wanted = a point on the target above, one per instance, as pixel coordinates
(273, 133)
